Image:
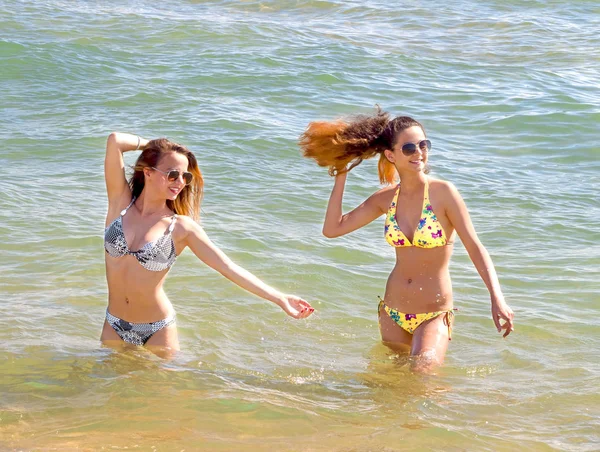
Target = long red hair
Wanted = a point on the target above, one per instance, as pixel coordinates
(343, 144)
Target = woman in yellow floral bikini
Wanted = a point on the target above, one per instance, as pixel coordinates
(423, 216)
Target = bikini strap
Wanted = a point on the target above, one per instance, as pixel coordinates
(172, 225)
(426, 194)
(381, 303)
(124, 211)
(449, 321)
(395, 199)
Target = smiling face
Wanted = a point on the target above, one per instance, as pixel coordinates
(158, 179)
(414, 162)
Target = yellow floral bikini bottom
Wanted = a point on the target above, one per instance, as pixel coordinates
(410, 322)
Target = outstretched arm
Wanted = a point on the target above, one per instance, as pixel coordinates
(459, 217)
(114, 166)
(336, 223)
(212, 256)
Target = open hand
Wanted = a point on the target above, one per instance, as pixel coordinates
(501, 311)
(296, 307)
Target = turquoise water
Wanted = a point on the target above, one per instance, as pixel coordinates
(509, 94)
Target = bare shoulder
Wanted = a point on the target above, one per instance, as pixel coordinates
(442, 189)
(383, 197)
(187, 231)
(185, 225)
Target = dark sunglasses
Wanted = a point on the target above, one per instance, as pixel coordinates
(411, 148)
(173, 175)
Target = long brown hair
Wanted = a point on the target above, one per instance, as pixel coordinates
(343, 144)
(189, 199)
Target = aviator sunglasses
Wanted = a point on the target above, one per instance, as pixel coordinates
(411, 148)
(173, 175)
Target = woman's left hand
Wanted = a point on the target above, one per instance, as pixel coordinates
(296, 307)
(501, 311)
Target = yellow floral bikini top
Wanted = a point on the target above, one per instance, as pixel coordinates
(429, 232)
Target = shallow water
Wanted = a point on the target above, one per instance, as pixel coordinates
(509, 94)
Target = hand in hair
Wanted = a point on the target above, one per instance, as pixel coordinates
(343, 144)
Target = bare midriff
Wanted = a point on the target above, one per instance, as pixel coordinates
(420, 281)
(134, 293)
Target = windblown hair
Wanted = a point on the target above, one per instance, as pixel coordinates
(189, 199)
(345, 143)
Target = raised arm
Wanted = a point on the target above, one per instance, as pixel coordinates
(114, 166)
(337, 224)
(211, 255)
(461, 220)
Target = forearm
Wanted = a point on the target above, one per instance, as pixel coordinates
(485, 267)
(125, 142)
(333, 215)
(251, 283)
